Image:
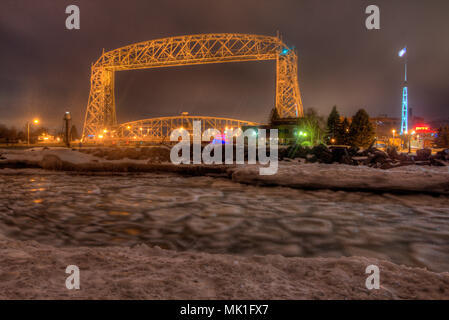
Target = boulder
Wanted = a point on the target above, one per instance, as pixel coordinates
(423, 154)
(442, 155)
(392, 153)
(51, 162)
(322, 153)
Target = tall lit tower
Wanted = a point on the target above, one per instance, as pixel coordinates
(404, 122)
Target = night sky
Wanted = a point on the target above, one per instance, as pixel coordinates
(45, 68)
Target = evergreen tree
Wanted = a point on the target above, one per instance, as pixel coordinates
(333, 126)
(361, 131)
(274, 116)
(74, 133)
(344, 136)
(442, 140)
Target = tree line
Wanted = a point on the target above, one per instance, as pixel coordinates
(357, 133)
(11, 135)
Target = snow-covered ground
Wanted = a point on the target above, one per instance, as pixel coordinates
(293, 174)
(29, 270)
(346, 177)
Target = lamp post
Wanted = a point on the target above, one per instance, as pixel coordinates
(409, 141)
(35, 121)
(404, 115)
(394, 131)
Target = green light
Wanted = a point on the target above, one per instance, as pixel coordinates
(305, 134)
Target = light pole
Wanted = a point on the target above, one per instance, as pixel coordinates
(35, 121)
(409, 141)
(394, 131)
(404, 122)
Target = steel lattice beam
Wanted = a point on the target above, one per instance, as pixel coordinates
(190, 50)
(159, 129)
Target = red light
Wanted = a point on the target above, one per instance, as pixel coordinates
(423, 128)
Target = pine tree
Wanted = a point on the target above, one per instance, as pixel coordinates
(274, 116)
(344, 136)
(333, 126)
(74, 133)
(442, 139)
(361, 131)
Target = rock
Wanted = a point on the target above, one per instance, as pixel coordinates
(297, 151)
(311, 158)
(353, 151)
(157, 154)
(442, 155)
(386, 165)
(51, 162)
(115, 155)
(437, 162)
(392, 153)
(322, 153)
(339, 154)
(423, 154)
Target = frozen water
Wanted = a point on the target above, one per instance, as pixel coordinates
(220, 216)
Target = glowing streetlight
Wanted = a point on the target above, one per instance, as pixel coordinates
(35, 121)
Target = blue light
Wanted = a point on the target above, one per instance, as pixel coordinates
(285, 51)
(404, 124)
(402, 52)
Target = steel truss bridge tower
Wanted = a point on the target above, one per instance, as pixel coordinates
(189, 50)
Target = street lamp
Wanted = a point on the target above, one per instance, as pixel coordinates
(394, 131)
(409, 141)
(404, 122)
(35, 121)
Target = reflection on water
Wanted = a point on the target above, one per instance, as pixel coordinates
(219, 216)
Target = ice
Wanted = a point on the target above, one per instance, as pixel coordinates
(217, 215)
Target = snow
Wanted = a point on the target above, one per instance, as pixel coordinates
(346, 177)
(29, 270)
(290, 174)
(38, 153)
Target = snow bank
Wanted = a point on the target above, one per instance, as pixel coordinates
(148, 159)
(411, 178)
(346, 177)
(29, 270)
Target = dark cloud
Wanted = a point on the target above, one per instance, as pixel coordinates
(45, 68)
